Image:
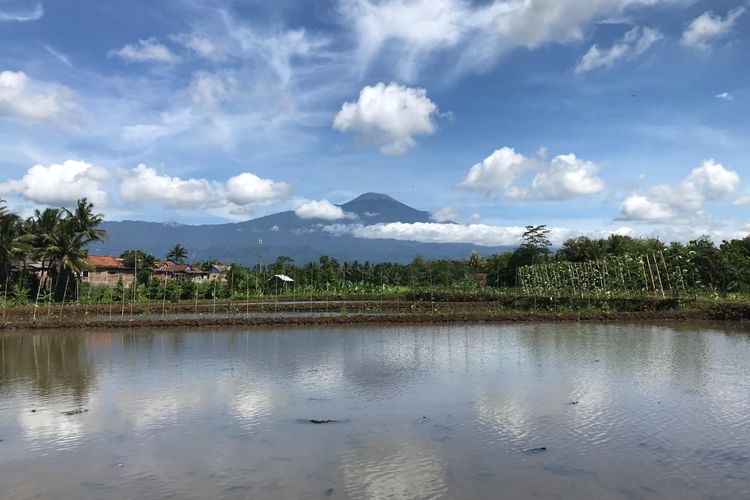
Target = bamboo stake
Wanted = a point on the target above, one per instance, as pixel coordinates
(658, 275)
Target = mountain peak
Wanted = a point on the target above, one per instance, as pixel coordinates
(373, 197)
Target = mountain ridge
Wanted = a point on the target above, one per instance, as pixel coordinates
(285, 233)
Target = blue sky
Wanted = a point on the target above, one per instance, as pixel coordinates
(591, 116)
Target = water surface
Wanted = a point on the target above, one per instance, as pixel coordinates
(423, 412)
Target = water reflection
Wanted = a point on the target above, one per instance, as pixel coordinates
(427, 412)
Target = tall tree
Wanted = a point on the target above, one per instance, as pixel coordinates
(85, 221)
(177, 254)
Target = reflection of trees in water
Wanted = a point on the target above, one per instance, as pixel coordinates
(50, 361)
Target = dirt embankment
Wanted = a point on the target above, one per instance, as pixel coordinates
(353, 314)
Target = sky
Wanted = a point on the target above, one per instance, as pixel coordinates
(591, 116)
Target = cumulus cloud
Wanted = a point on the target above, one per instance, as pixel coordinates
(474, 34)
(247, 188)
(708, 28)
(23, 16)
(564, 177)
(635, 43)
(638, 207)
(725, 96)
(708, 182)
(389, 116)
(22, 97)
(61, 184)
(713, 181)
(741, 201)
(144, 184)
(322, 209)
(499, 171)
(148, 50)
(447, 214)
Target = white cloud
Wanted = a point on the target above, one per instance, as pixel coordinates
(433, 232)
(726, 96)
(635, 43)
(498, 172)
(447, 214)
(388, 116)
(61, 184)
(170, 123)
(713, 180)
(638, 207)
(208, 90)
(741, 201)
(59, 56)
(473, 35)
(708, 182)
(201, 45)
(322, 209)
(148, 50)
(564, 177)
(22, 97)
(707, 28)
(145, 185)
(276, 49)
(247, 188)
(28, 16)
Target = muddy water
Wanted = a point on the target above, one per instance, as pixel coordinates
(422, 412)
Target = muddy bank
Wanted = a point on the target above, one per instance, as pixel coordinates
(486, 314)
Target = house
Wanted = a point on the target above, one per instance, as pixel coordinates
(106, 270)
(166, 270)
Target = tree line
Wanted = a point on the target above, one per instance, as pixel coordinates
(56, 240)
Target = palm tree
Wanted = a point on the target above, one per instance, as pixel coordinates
(66, 252)
(85, 221)
(13, 242)
(177, 254)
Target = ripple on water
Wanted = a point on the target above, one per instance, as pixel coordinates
(392, 469)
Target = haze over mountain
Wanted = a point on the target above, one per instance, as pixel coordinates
(286, 233)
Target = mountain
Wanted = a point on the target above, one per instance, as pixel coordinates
(285, 233)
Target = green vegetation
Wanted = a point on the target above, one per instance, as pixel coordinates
(43, 260)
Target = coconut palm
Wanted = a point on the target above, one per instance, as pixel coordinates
(13, 242)
(177, 254)
(86, 222)
(65, 251)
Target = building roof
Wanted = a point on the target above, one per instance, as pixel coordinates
(104, 261)
(170, 267)
(283, 277)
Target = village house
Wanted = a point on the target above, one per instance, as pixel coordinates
(168, 270)
(106, 270)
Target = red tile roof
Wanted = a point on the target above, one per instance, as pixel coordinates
(103, 261)
(171, 267)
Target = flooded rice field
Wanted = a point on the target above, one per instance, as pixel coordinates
(585, 411)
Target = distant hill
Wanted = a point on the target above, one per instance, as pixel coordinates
(287, 234)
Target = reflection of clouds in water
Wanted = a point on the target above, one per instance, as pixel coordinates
(251, 406)
(593, 419)
(155, 412)
(509, 416)
(728, 392)
(51, 426)
(653, 366)
(320, 376)
(392, 470)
